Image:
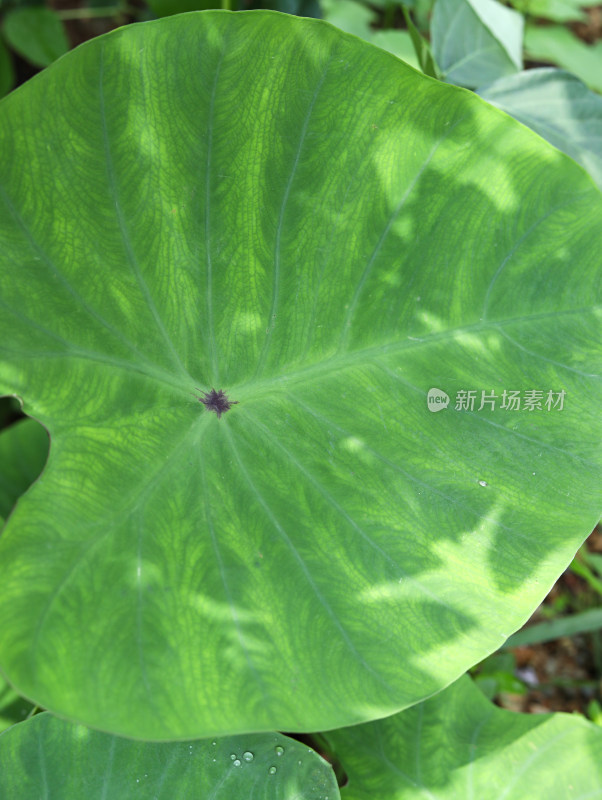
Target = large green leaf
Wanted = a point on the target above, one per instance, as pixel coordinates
(459, 745)
(23, 453)
(47, 757)
(559, 107)
(267, 206)
(476, 41)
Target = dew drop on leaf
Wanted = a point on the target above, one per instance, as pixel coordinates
(279, 750)
(248, 755)
(272, 770)
(237, 762)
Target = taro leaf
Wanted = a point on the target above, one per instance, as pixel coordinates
(459, 745)
(558, 45)
(37, 34)
(559, 107)
(48, 757)
(476, 41)
(23, 452)
(264, 205)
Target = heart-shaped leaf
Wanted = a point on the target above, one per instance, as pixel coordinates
(458, 744)
(48, 757)
(266, 207)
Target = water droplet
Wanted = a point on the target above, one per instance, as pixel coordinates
(214, 743)
(483, 483)
(215, 759)
(237, 762)
(233, 756)
(272, 770)
(248, 755)
(279, 750)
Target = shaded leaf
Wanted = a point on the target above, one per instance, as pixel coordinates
(459, 745)
(263, 205)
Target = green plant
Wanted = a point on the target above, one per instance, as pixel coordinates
(234, 202)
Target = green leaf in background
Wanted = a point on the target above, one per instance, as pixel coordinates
(558, 45)
(421, 47)
(584, 622)
(23, 453)
(476, 42)
(397, 42)
(557, 10)
(7, 72)
(36, 33)
(47, 757)
(557, 106)
(497, 674)
(349, 16)
(165, 8)
(459, 745)
(302, 8)
(262, 204)
(355, 18)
